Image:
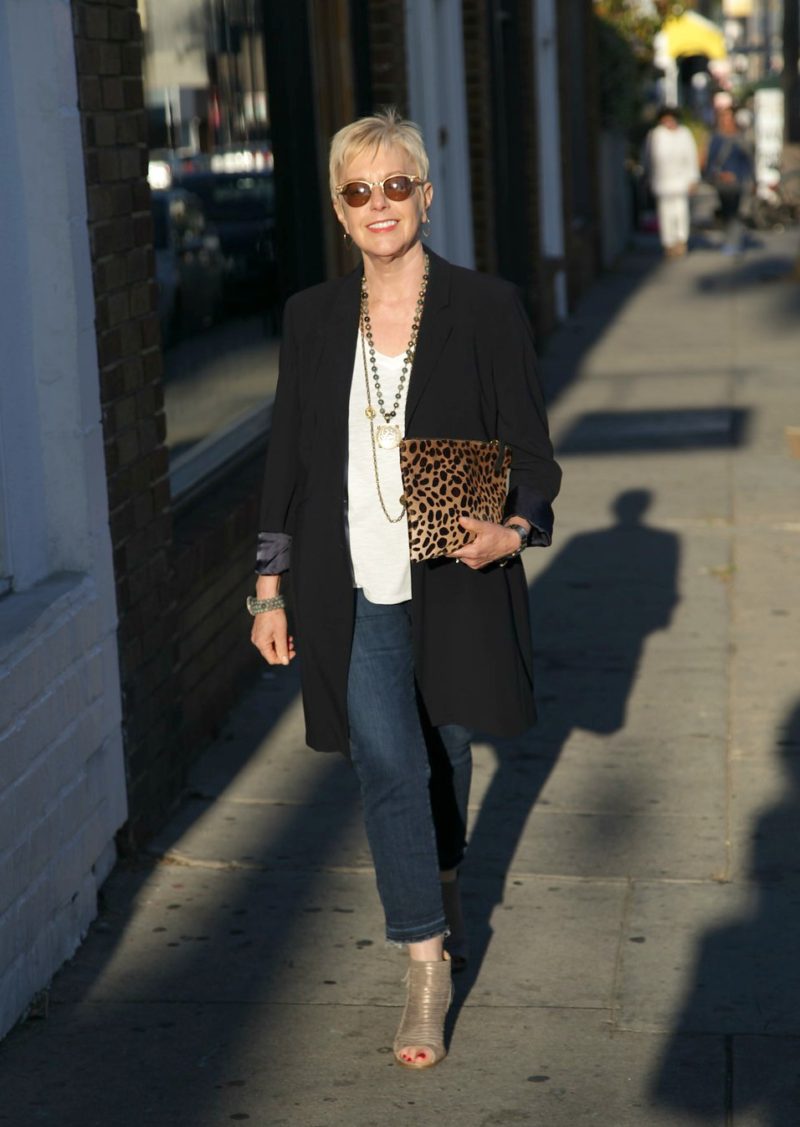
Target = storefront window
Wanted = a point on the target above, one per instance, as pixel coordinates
(214, 216)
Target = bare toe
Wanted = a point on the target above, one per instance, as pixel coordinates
(414, 1054)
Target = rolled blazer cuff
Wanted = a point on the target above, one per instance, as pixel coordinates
(274, 553)
(526, 502)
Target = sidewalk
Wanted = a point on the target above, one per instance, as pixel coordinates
(633, 884)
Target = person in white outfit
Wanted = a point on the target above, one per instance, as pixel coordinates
(672, 168)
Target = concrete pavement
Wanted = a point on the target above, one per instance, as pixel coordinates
(633, 884)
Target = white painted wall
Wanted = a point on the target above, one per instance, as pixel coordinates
(62, 785)
(437, 98)
(551, 206)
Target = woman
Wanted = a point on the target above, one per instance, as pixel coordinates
(400, 660)
(673, 171)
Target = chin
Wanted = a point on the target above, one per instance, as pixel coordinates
(389, 244)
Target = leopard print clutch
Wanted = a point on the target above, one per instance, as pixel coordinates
(447, 478)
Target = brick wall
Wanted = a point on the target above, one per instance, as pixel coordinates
(214, 564)
(181, 580)
(387, 38)
(108, 54)
(62, 794)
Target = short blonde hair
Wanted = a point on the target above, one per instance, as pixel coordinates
(386, 127)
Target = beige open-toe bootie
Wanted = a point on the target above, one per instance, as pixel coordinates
(421, 1032)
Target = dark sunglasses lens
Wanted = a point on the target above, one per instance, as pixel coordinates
(398, 187)
(356, 193)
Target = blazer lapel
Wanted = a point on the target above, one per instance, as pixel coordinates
(335, 364)
(434, 330)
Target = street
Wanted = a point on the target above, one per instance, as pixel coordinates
(633, 880)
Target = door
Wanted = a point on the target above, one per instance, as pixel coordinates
(437, 97)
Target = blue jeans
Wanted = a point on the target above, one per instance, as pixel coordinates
(414, 777)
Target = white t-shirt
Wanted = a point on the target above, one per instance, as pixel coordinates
(378, 549)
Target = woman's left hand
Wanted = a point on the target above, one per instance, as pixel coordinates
(492, 542)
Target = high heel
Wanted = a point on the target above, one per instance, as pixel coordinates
(421, 1031)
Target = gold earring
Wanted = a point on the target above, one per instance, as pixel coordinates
(426, 227)
(348, 239)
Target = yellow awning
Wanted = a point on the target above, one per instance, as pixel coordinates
(692, 34)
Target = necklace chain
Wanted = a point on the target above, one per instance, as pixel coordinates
(408, 359)
(366, 339)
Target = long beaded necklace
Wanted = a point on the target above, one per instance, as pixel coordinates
(387, 434)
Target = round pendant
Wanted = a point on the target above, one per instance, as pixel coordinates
(388, 437)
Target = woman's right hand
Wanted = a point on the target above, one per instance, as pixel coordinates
(270, 636)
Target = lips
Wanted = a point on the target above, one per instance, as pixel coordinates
(382, 225)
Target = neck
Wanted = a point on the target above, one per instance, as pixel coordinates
(395, 279)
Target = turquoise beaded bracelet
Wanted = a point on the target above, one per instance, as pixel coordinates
(259, 606)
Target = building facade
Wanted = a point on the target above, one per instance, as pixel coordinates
(62, 775)
(125, 555)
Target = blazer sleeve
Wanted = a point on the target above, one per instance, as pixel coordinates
(281, 471)
(522, 422)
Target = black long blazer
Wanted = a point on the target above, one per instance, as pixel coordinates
(474, 377)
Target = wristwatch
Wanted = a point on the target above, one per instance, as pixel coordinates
(522, 532)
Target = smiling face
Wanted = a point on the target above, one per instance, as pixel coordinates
(383, 229)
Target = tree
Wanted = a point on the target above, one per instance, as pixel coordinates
(624, 36)
(634, 25)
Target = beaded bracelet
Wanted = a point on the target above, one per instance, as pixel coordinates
(259, 606)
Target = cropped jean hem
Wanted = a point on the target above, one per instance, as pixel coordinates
(401, 937)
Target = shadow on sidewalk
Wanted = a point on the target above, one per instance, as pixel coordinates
(593, 609)
(745, 981)
(561, 354)
(153, 1019)
(773, 270)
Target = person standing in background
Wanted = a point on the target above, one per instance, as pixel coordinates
(729, 169)
(672, 169)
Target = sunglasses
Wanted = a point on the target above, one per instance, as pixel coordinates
(397, 188)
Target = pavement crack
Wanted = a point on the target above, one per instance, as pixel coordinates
(615, 1003)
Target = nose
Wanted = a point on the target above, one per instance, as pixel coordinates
(377, 200)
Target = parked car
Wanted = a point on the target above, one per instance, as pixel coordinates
(241, 205)
(189, 263)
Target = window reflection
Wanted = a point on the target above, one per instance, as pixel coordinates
(213, 204)
(190, 265)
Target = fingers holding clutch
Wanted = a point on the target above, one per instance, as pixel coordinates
(491, 542)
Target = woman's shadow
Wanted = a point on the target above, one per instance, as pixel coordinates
(744, 985)
(592, 610)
